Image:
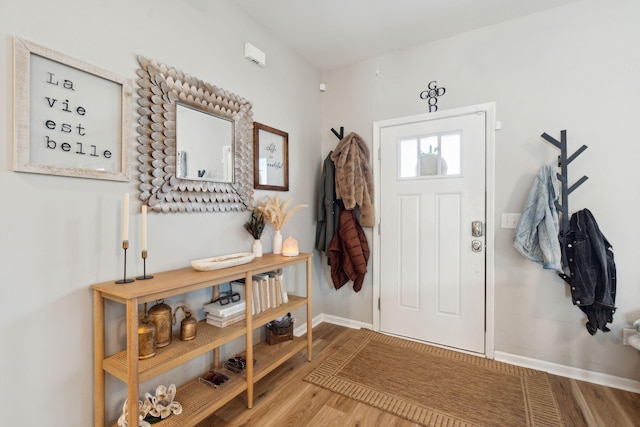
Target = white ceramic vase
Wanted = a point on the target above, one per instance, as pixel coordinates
(257, 248)
(277, 242)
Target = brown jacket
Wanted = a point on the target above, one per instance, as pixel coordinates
(354, 178)
(348, 252)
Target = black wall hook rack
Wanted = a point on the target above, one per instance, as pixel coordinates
(338, 135)
(565, 189)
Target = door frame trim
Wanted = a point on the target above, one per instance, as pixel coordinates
(489, 110)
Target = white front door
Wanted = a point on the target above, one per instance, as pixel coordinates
(432, 257)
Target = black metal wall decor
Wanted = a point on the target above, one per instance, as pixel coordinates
(431, 95)
(565, 190)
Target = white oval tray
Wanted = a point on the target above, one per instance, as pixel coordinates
(222, 261)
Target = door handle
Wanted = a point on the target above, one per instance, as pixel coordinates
(476, 228)
(476, 246)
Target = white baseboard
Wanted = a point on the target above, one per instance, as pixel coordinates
(513, 359)
(341, 321)
(569, 372)
(334, 320)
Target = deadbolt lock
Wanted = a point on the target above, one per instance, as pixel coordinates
(476, 228)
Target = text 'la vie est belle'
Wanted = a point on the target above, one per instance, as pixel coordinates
(77, 129)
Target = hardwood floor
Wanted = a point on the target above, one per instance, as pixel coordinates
(283, 399)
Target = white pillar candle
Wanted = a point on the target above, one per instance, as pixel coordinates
(125, 217)
(144, 227)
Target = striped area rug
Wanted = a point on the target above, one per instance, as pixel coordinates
(432, 386)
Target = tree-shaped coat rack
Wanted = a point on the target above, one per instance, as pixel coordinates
(565, 189)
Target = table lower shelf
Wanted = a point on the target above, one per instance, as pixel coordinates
(199, 400)
(208, 337)
(269, 357)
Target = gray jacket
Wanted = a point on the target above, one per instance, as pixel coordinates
(536, 236)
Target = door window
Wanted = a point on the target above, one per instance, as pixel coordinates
(436, 155)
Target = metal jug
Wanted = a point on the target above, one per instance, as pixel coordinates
(146, 337)
(188, 325)
(160, 315)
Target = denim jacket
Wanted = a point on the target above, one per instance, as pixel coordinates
(593, 271)
(536, 235)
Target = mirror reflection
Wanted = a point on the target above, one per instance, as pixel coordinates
(204, 144)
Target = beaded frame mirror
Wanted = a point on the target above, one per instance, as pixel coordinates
(160, 87)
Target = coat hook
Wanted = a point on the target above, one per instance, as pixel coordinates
(338, 135)
(565, 188)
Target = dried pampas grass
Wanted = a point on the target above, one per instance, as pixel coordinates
(275, 211)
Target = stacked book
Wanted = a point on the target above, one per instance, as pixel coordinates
(225, 315)
(269, 291)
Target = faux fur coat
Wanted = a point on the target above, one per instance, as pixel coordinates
(354, 178)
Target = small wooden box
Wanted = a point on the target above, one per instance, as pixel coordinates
(273, 338)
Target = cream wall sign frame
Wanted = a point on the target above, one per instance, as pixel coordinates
(160, 88)
(71, 118)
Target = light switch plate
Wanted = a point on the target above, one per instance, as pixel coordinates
(510, 220)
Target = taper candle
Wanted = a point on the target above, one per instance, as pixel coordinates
(125, 217)
(144, 227)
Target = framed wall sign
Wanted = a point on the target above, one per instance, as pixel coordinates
(270, 158)
(71, 118)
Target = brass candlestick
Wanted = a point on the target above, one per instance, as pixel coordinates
(125, 246)
(144, 267)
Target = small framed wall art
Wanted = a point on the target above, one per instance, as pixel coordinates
(270, 158)
(71, 118)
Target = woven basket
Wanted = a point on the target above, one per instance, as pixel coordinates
(285, 335)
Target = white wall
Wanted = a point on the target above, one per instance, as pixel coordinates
(574, 68)
(62, 234)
